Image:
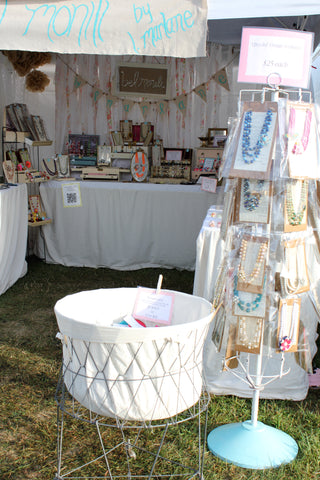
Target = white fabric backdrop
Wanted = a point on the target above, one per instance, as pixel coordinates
(77, 113)
(13, 235)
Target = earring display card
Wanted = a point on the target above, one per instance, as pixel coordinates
(253, 257)
(256, 140)
(249, 334)
(253, 201)
(126, 130)
(296, 206)
(288, 324)
(294, 274)
(9, 170)
(302, 146)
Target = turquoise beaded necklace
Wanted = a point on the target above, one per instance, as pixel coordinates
(249, 153)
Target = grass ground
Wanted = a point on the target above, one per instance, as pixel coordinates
(30, 359)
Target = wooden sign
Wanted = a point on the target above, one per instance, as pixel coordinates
(140, 79)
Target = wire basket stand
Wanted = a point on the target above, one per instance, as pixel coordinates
(140, 449)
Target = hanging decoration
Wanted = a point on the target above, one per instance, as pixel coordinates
(78, 82)
(144, 107)
(201, 90)
(182, 103)
(220, 77)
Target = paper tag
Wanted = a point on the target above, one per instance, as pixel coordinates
(208, 184)
(153, 307)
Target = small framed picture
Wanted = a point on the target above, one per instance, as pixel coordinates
(39, 128)
(256, 140)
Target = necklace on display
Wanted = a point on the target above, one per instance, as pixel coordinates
(249, 278)
(54, 172)
(61, 171)
(300, 145)
(288, 327)
(251, 199)
(296, 268)
(295, 216)
(242, 304)
(249, 338)
(249, 153)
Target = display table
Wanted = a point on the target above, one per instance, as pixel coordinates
(125, 226)
(13, 235)
(294, 385)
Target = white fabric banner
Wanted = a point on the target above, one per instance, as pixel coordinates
(113, 27)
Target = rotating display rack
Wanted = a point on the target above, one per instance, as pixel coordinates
(271, 164)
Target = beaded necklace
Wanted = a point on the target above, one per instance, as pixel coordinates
(243, 305)
(295, 216)
(299, 146)
(249, 153)
(251, 200)
(249, 278)
(50, 172)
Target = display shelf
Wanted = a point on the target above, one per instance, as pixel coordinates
(36, 143)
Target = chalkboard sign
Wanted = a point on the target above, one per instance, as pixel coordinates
(140, 79)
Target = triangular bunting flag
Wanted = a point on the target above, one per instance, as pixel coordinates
(78, 82)
(127, 105)
(110, 101)
(144, 107)
(182, 102)
(96, 94)
(162, 107)
(201, 90)
(222, 79)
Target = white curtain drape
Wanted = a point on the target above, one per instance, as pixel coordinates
(76, 112)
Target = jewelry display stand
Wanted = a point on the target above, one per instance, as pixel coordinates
(261, 328)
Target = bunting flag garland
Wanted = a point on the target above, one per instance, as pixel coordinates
(201, 90)
(222, 79)
(78, 82)
(182, 103)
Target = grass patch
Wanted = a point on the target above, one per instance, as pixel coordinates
(30, 359)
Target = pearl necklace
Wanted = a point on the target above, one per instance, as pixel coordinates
(299, 146)
(52, 173)
(295, 216)
(251, 200)
(249, 278)
(249, 153)
(249, 337)
(294, 283)
(243, 305)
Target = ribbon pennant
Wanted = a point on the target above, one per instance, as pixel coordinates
(222, 79)
(162, 107)
(96, 94)
(127, 105)
(144, 107)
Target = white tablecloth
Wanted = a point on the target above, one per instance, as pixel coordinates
(13, 235)
(125, 226)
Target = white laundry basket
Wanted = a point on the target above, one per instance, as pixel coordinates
(132, 373)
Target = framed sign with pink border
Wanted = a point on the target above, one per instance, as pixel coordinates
(275, 56)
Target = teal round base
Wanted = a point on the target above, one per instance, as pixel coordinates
(252, 446)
